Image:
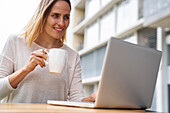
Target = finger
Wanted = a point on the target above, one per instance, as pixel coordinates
(40, 54)
(37, 61)
(46, 51)
(40, 61)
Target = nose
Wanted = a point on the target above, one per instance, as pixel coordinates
(61, 22)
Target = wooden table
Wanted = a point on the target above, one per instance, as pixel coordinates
(45, 108)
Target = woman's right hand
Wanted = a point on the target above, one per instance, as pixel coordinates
(36, 58)
(90, 98)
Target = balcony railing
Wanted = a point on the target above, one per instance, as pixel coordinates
(152, 7)
(156, 12)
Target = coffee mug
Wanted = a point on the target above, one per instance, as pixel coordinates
(56, 60)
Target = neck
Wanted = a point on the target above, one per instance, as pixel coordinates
(48, 43)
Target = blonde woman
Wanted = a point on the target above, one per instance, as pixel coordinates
(24, 77)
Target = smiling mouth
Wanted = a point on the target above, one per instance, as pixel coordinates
(58, 29)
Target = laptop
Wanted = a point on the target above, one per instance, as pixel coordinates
(128, 77)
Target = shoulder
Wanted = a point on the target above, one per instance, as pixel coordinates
(15, 41)
(73, 55)
(15, 38)
(10, 45)
(70, 50)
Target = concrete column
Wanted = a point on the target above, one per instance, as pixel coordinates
(161, 86)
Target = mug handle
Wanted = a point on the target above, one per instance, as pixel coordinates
(48, 55)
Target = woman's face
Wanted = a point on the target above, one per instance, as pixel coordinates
(58, 20)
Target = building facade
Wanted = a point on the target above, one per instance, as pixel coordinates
(93, 22)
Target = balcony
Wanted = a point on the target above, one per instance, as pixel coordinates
(79, 4)
(79, 29)
(157, 13)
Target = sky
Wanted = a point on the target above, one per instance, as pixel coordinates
(14, 15)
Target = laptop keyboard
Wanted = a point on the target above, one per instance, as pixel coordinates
(69, 103)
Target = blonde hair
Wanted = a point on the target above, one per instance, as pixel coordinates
(37, 22)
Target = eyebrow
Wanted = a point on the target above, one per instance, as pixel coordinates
(67, 14)
(60, 14)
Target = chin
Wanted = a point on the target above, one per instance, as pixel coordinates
(58, 38)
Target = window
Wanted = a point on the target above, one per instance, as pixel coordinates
(147, 37)
(92, 35)
(92, 7)
(140, 11)
(168, 55)
(107, 25)
(132, 39)
(92, 63)
(127, 14)
(159, 6)
(90, 88)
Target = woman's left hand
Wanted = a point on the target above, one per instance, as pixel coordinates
(90, 98)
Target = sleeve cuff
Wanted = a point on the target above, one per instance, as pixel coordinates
(8, 84)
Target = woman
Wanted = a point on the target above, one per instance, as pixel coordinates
(24, 78)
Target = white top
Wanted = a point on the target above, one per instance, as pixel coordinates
(39, 85)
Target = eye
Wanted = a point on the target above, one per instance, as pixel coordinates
(66, 17)
(55, 15)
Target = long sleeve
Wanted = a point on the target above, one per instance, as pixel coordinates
(39, 85)
(6, 68)
(76, 90)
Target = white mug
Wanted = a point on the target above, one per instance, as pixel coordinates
(56, 60)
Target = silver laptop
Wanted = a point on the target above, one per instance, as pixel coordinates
(128, 77)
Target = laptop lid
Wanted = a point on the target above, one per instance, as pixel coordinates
(129, 76)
